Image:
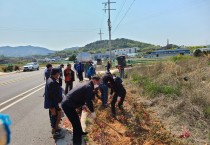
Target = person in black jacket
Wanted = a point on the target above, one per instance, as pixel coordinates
(77, 97)
(61, 74)
(105, 80)
(119, 91)
(53, 96)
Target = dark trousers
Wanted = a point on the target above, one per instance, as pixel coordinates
(108, 69)
(60, 82)
(75, 121)
(69, 86)
(114, 100)
(53, 118)
(80, 76)
(104, 93)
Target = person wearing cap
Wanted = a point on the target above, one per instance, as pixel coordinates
(69, 78)
(79, 96)
(106, 81)
(53, 96)
(61, 74)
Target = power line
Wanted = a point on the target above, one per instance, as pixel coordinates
(48, 30)
(120, 11)
(124, 16)
(103, 18)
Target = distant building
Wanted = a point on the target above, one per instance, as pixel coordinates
(102, 55)
(125, 51)
(131, 52)
(167, 53)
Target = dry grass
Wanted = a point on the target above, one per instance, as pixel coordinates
(186, 102)
(135, 125)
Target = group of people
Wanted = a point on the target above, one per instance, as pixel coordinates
(79, 96)
(86, 68)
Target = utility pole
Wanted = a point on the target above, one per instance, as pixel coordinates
(109, 27)
(100, 34)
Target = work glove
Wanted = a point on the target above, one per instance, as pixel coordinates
(93, 115)
(84, 108)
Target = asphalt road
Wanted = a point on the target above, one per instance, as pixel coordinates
(22, 99)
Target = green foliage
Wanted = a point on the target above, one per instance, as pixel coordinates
(206, 112)
(8, 68)
(72, 57)
(153, 89)
(192, 48)
(180, 57)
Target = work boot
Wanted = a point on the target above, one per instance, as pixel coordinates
(58, 135)
(121, 108)
(113, 115)
(84, 133)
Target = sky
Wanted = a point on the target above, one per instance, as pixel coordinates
(59, 24)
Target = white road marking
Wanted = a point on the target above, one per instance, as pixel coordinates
(15, 80)
(10, 105)
(20, 95)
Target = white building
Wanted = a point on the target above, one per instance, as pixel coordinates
(102, 56)
(125, 51)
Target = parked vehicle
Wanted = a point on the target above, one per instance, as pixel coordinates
(31, 66)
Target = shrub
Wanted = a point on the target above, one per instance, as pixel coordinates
(206, 112)
(197, 53)
(180, 57)
(10, 68)
(4, 69)
(16, 68)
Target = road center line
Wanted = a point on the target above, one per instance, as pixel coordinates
(20, 99)
(20, 95)
(15, 80)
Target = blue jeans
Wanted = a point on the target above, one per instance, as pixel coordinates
(104, 93)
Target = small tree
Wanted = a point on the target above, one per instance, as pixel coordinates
(197, 53)
(72, 57)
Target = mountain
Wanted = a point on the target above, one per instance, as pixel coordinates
(72, 48)
(22, 51)
(117, 44)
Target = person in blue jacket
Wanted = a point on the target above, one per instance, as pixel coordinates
(80, 70)
(91, 72)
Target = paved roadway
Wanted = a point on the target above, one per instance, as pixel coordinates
(22, 98)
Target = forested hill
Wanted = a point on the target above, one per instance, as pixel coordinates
(116, 44)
